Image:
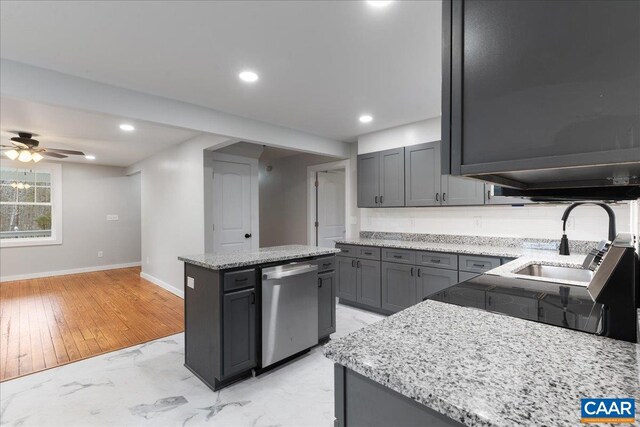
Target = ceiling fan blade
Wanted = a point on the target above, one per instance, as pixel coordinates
(56, 155)
(18, 145)
(72, 152)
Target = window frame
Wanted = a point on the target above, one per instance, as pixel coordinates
(55, 170)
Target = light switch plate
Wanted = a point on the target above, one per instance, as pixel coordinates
(191, 282)
(112, 217)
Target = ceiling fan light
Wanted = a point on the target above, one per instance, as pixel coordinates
(14, 184)
(36, 157)
(27, 186)
(12, 154)
(25, 156)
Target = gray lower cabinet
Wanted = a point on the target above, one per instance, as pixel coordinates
(346, 275)
(239, 331)
(398, 286)
(368, 289)
(422, 174)
(458, 191)
(392, 178)
(431, 280)
(368, 180)
(326, 304)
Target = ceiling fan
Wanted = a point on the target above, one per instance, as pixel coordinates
(27, 149)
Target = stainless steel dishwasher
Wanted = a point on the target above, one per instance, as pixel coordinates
(289, 310)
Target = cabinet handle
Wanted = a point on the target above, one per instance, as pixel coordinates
(353, 263)
(479, 265)
(319, 282)
(444, 197)
(435, 261)
(368, 253)
(253, 297)
(381, 199)
(242, 280)
(489, 301)
(376, 200)
(411, 271)
(437, 197)
(488, 194)
(326, 264)
(357, 264)
(418, 272)
(398, 256)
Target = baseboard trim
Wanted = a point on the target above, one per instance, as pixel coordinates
(65, 272)
(162, 284)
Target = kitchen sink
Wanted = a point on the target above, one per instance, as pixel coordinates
(555, 272)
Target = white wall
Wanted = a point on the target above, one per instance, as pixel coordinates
(173, 209)
(543, 221)
(89, 194)
(283, 199)
(400, 136)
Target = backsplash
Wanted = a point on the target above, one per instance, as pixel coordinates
(575, 246)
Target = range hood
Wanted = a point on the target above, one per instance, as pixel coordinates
(606, 193)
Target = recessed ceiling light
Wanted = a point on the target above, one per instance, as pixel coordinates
(379, 3)
(127, 127)
(90, 157)
(248, 76)
(365, 118)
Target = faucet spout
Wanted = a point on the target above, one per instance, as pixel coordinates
(564, 242)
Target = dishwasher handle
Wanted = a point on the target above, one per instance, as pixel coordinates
(288, 270)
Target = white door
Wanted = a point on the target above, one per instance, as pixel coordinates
(330, 208)
(231, 206)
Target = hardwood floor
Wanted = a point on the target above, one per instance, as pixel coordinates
(51, 321)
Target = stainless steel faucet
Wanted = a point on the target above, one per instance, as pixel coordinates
(564, 242)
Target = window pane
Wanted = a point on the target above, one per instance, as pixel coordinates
(7, 193)
(18, 221)
(43, 194)
(26, 195)
(8, 175)
(43, 178)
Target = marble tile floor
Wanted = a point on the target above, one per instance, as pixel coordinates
(148, 385)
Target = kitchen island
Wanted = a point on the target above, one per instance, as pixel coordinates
(229, 333)
(440, 364)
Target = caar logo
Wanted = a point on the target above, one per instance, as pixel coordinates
(608, 410)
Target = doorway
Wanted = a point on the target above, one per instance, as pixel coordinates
(329, 188)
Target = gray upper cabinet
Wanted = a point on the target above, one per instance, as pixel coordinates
(392, 178)
(458, 191)
(239, 331)
(542, 85)
(422, 174)
(368, 180)
(368, 282)
(398, 286)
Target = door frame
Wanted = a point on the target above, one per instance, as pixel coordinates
(208, 197)
(311, 196)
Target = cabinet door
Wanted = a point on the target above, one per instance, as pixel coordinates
(431, 280)
(458, 191)
(326, 304)
(398, 286)
(392, 177)
(346, 278)
(369, 286)
(239, 331)
(422, 174)
(368, 180)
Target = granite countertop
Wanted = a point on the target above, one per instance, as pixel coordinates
(486, 369)
(223, 261)
(460, 248)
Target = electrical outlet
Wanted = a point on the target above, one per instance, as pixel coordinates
(112, 217)
(99, 254)
(191, 282)
(477, 222)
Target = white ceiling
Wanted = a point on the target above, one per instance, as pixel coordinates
(96, 134)
(321, 63)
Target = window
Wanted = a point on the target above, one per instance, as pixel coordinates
(30, 204)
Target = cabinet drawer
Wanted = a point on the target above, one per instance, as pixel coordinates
(239, 279)
(437, 259)
(478, 264)
(326, 264)
(347, 250)
(405, 256)
(368, 252)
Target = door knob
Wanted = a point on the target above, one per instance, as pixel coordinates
(248, 235)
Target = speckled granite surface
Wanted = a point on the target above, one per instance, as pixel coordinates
(486, 369)
(578, 246)
(261, 256)
(544, 257)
